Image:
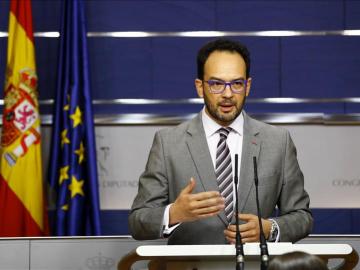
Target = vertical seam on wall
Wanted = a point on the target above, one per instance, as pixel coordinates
(280, 68)
(345, 107)
(352, 220)
(152, 67)
(216, 15)
(344, 15)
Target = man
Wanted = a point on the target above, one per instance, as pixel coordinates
(186, 192)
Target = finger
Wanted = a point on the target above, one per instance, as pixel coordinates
(215, 201)
(190, 187)
(249, 235)
(229, 234)
(248, 226)
(206, 195)
(211, 209)
(244, 235)
(209, 215)
(247, 217)
(232, 228)
(252, 225)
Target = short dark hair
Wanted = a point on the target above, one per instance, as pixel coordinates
(221, 45)
(297, 261)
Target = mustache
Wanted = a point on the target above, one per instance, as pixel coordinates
(227, 102)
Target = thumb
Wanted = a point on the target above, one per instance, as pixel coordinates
(190, 187)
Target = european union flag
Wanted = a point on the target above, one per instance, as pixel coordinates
(73, 171)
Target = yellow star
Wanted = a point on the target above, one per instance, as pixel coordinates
(65, 207)
(76, 117)
(64, 138)
(80, 152)
(63, 174)
(76, 187)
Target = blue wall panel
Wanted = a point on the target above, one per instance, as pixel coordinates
(166, 109)
(327, 108)
(121, 68)
(352, 107)
(352, 12)
(336, 221)
(279, 15)
(265, 63)
(46, 15)
(46, 53)
(318, 67)
(4, 15)
(174, 67)
(114, 222)
(150, 15)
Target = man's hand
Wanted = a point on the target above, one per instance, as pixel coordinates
(250, 231)
(189, 206)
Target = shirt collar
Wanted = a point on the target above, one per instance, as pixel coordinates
(211, 127)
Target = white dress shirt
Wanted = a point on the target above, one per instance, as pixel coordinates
(234, 139)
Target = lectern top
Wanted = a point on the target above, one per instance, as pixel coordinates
(249, 249)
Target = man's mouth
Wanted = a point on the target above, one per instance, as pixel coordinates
(226, 107)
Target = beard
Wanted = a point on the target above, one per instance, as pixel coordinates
(214, 109)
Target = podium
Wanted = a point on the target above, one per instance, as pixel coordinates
(211, 257)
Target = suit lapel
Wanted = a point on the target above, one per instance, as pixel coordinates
(200, 154)
(250, 148)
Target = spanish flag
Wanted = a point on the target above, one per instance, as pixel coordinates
(22, 201)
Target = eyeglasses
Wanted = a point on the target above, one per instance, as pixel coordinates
(218, 87)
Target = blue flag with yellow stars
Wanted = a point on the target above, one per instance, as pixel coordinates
(73, 170)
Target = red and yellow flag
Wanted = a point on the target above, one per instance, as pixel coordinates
(22, 201)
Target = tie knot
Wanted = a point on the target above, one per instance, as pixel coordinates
(224, 132)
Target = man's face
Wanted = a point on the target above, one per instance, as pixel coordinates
(224, 66)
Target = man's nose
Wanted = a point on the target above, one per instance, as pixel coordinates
(227, 92)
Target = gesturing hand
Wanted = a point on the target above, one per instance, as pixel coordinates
(189, 206)
(250, 231)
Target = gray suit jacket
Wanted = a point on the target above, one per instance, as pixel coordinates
(182, 152)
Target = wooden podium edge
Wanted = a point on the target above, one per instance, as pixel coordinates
(350, 260)
(128, 260)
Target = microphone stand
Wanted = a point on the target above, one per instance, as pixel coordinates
(240, 260)
(263, 245)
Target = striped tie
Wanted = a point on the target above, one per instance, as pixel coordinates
(223, 171)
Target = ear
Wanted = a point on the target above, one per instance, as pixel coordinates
(199, 87)
(248, 86)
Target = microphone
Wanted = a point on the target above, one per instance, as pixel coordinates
(263, 245)
(240, 259)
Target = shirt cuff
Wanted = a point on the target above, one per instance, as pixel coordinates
(277, 238)
(167, 230)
